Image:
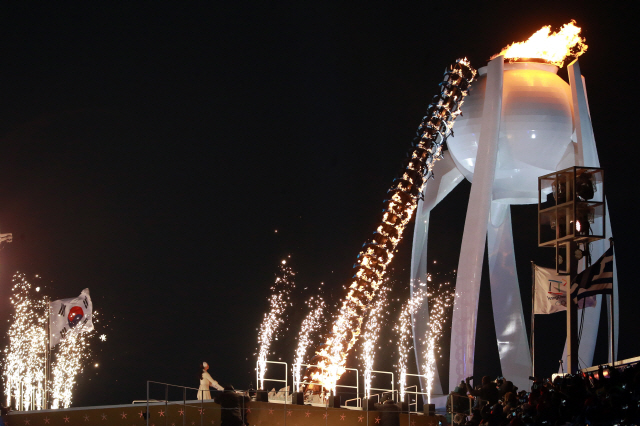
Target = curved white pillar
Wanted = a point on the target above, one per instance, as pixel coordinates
(587, 155)
(511, 332)
(465, 309)
(446, 178)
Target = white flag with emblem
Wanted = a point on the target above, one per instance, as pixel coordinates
(70, 314)
(551, 292)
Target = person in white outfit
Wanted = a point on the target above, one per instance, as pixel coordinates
(206, 381)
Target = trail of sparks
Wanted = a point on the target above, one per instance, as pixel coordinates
(310, 325)
(371, 333)
(278, 302)
(398, 211)
(403, 330)
(24, 366)
(440, 301)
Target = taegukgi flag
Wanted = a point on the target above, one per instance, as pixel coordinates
(551, 292)
(70, 314)
(596, 279)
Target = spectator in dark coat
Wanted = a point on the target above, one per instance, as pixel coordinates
(233, 407)
(487, 392)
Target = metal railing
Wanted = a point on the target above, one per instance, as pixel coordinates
(395, 393)
(166, 400)
(416, 393)
(260, 383)
(384, 391)
(184, 403)
(27, 400)
(459, 404)
(356, 387)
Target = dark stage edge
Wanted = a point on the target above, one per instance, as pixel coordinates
(179, 414)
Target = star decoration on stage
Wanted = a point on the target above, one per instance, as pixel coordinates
(141, 414)
(325, 415)
(46, 420)
(181, 412)
(307, 414)
(342, 416)
(161, 413)
(103, 337)
(413, 423)
(360, 419)
(104, 416)
(86, 418)
(201, 410)
(248, 410)
(26, 422)
(124, 415)
(377, 419)
(66, 419)
(289, 413)
(270, 411)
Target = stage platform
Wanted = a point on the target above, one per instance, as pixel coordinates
(207, 413)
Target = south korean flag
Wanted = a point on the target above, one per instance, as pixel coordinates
(70, 314)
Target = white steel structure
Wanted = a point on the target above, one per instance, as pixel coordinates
(520, 121)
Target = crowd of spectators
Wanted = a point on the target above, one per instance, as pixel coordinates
(607, 396)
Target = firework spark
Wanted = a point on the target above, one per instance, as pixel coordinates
(24, 366)
(310, 325)
(374, 259)
(371, 333)
(403, 330)
(278, 302)
(440, 301)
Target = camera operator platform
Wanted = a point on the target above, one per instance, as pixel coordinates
(571, 215)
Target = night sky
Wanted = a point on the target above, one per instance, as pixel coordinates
(149, 151)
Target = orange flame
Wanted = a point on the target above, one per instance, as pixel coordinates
(554, 48)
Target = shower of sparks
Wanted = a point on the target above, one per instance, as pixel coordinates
(440, 301)
(278, 302)
(371, 333)
(24, 366)
(310, 325)
(403, 330)
(72, 353)
(397, 212)
(25, 356)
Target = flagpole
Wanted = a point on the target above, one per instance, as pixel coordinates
(533, 317)
(611, 318)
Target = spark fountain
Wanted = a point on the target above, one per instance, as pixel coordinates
(73, 352)
(440, 301)
(25, 366)
(403, 330)
(310, 325)
(278, 302)
(398, 210)
(372, 329)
